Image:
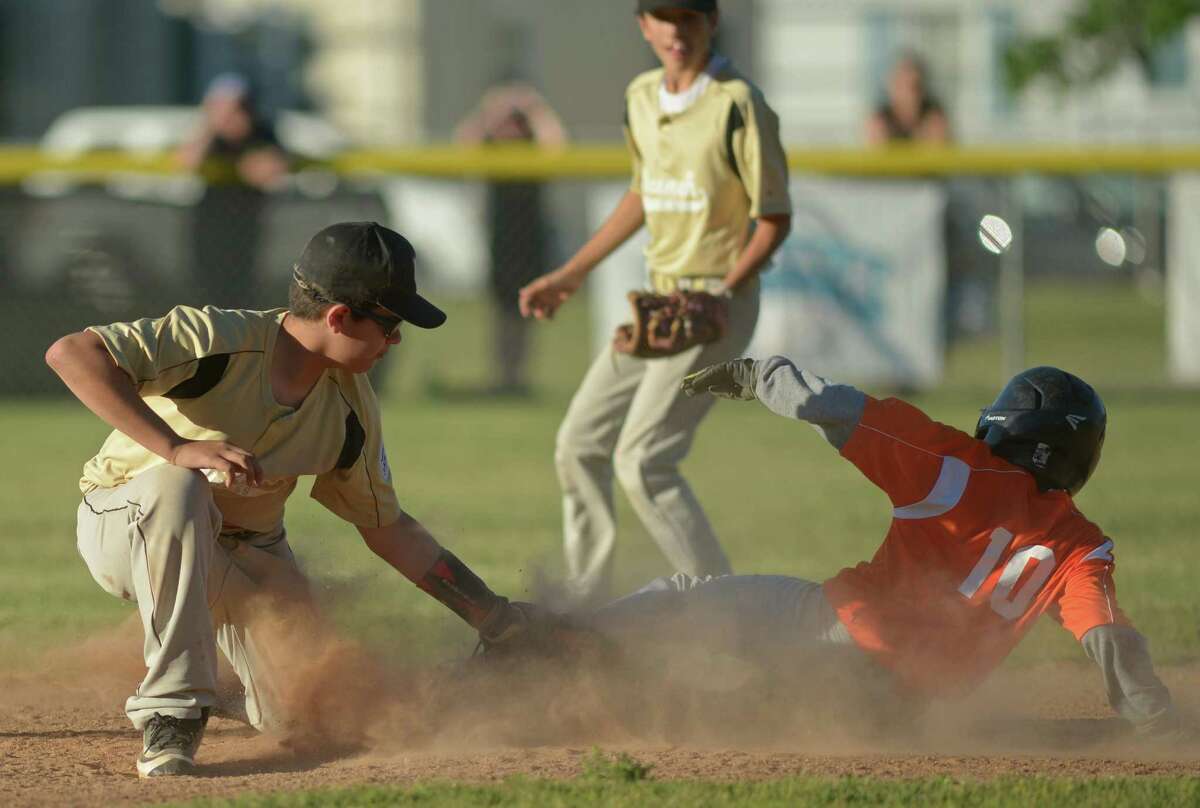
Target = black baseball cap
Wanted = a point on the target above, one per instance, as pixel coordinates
(366, 264)
(703, 6)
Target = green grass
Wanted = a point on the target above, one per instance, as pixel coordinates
(479, 475)
(789, 792)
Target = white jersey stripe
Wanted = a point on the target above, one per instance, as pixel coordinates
(1103, 552)
(947, 491)
(1107, 597)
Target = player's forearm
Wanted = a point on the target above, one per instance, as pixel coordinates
(1133, 689)
(769, 233)
(405, 544)
(625, 220)
(834, 410)
(410, 549)
(88, 371)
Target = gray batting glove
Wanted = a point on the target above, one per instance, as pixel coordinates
(735, 380)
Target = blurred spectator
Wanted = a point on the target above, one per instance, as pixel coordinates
(232, 129)
(909, 112)
(518, 232)
(238, 152)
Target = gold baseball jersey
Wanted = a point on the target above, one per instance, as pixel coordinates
(206, 372)
(704, 173)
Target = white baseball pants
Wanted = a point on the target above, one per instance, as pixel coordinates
(155, 541)
(629, 415)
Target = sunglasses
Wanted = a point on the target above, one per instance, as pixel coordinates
(390, 325)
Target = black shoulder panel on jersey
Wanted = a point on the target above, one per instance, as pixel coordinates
(209, 371)
(629, 129)
(736, 122)
(353, 446)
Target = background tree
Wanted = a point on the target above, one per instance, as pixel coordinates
(1096, 39)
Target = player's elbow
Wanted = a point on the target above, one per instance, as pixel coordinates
(73, 350)
(59, 354)
(383, 541)
(782, 224)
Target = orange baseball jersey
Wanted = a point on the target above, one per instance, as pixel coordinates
(975, 553)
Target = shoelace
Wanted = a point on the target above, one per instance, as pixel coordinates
(170, 731)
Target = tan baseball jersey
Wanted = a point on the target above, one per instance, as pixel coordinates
(206, 372)
(705, 172)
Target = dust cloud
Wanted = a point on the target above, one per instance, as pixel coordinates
(339, 698)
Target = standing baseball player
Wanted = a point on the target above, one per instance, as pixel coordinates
(216, 414)
(707, 164)
(985, 538)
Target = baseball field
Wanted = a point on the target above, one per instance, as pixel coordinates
(478, 472)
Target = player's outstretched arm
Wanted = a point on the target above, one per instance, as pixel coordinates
(1087, 607)
(833, 409)
(1133, 688)
(408, 547)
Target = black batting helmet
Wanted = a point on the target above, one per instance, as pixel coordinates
(1049, 422)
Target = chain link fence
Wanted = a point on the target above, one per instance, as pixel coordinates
(91, 253)
(119, 246)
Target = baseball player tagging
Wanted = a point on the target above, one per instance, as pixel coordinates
(216, 414)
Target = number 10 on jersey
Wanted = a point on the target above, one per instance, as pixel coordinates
(1004, 601)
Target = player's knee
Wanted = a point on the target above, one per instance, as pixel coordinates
(179, 495)
(642, 472)
(569, 438)
(572, 448)
(630, 466)
(180, 483)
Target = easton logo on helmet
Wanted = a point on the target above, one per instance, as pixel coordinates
(1075, 420)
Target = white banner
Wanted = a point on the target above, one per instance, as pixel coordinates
(1183, 278)
(855, 293)
(444, 220)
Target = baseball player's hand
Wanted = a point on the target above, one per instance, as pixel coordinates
(736, 380)
(542, 298)
(523, 628)
(221, 456)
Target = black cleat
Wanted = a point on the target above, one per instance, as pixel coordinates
(169, 745)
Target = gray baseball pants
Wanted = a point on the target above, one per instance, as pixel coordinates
(727, 633)
(742, 615)
(156, 541)
(630, 416)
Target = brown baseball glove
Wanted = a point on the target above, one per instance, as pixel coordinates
(664, 325)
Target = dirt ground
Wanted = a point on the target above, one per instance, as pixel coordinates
(64, 739)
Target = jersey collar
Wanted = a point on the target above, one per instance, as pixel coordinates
(676, 103)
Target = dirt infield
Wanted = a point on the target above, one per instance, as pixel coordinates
(65, 741)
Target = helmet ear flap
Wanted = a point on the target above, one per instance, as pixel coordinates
(1033, 457)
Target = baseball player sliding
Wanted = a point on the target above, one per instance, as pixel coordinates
(216, 414)
(984, 539)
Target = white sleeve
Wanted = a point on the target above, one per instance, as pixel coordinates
(833, 409)
(1133, 689)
